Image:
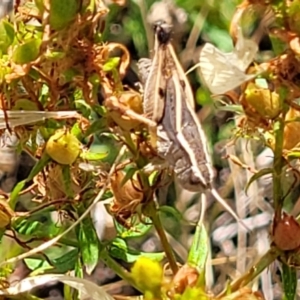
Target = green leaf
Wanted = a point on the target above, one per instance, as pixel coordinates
(28, 227)
(88, 244)
(7, 35)
(69, 74)
(67, 180)
(135, 231)
(130, 171)
(93, 156)
(153, 177)
(25, 104)
(62, 13)
(111, 64)
(97, 127)
(237, 109)
(39, 166)
(2, 231)
(171, 218)
(294, 154)
(37, 226)
(94, 79)
(79, 268)
(289, 278)
(55, 55)
(219, 37)
(278, 45)
(76, 131)
(65, 262)
(39, 4)
(199, 249)
(120, 250)
(193, 293)
(100, 110)
(256, 176)
(27, 52)
(68, 295)
(83, 107)
(165, 209)
(39, 265)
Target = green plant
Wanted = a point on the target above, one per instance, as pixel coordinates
(89, 146)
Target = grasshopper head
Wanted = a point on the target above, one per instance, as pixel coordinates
(163, 31)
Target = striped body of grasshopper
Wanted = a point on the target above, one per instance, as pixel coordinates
(169, 102)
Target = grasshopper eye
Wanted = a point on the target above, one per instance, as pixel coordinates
(163, 31)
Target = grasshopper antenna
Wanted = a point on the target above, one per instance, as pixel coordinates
(217, 196)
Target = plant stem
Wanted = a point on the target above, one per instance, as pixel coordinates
(118, 269)
(252, 273)
(68, 242)
(277, 167)
(152, 213)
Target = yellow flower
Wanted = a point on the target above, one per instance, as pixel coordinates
(148, 275)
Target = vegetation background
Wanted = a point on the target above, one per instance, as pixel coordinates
(78, 205)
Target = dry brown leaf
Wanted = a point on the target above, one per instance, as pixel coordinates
(291, 130)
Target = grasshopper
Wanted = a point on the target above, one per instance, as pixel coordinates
(169, 102)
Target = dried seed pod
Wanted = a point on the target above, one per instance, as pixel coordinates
(291, 130)
(244, 293)
(295, 45)
(6, 213)
(187, 276)
(286, 233)
(63, 147)
(130, 100)
(127, 197)
(291, 258)
(254, 17)
(125, 193)
(55, 186)
(265, 102)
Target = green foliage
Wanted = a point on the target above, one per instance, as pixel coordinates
(199, 249)
(289, 276)
(67, 96)
(88, 244)
(27, 52)
(119, 249)
(7, 35)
